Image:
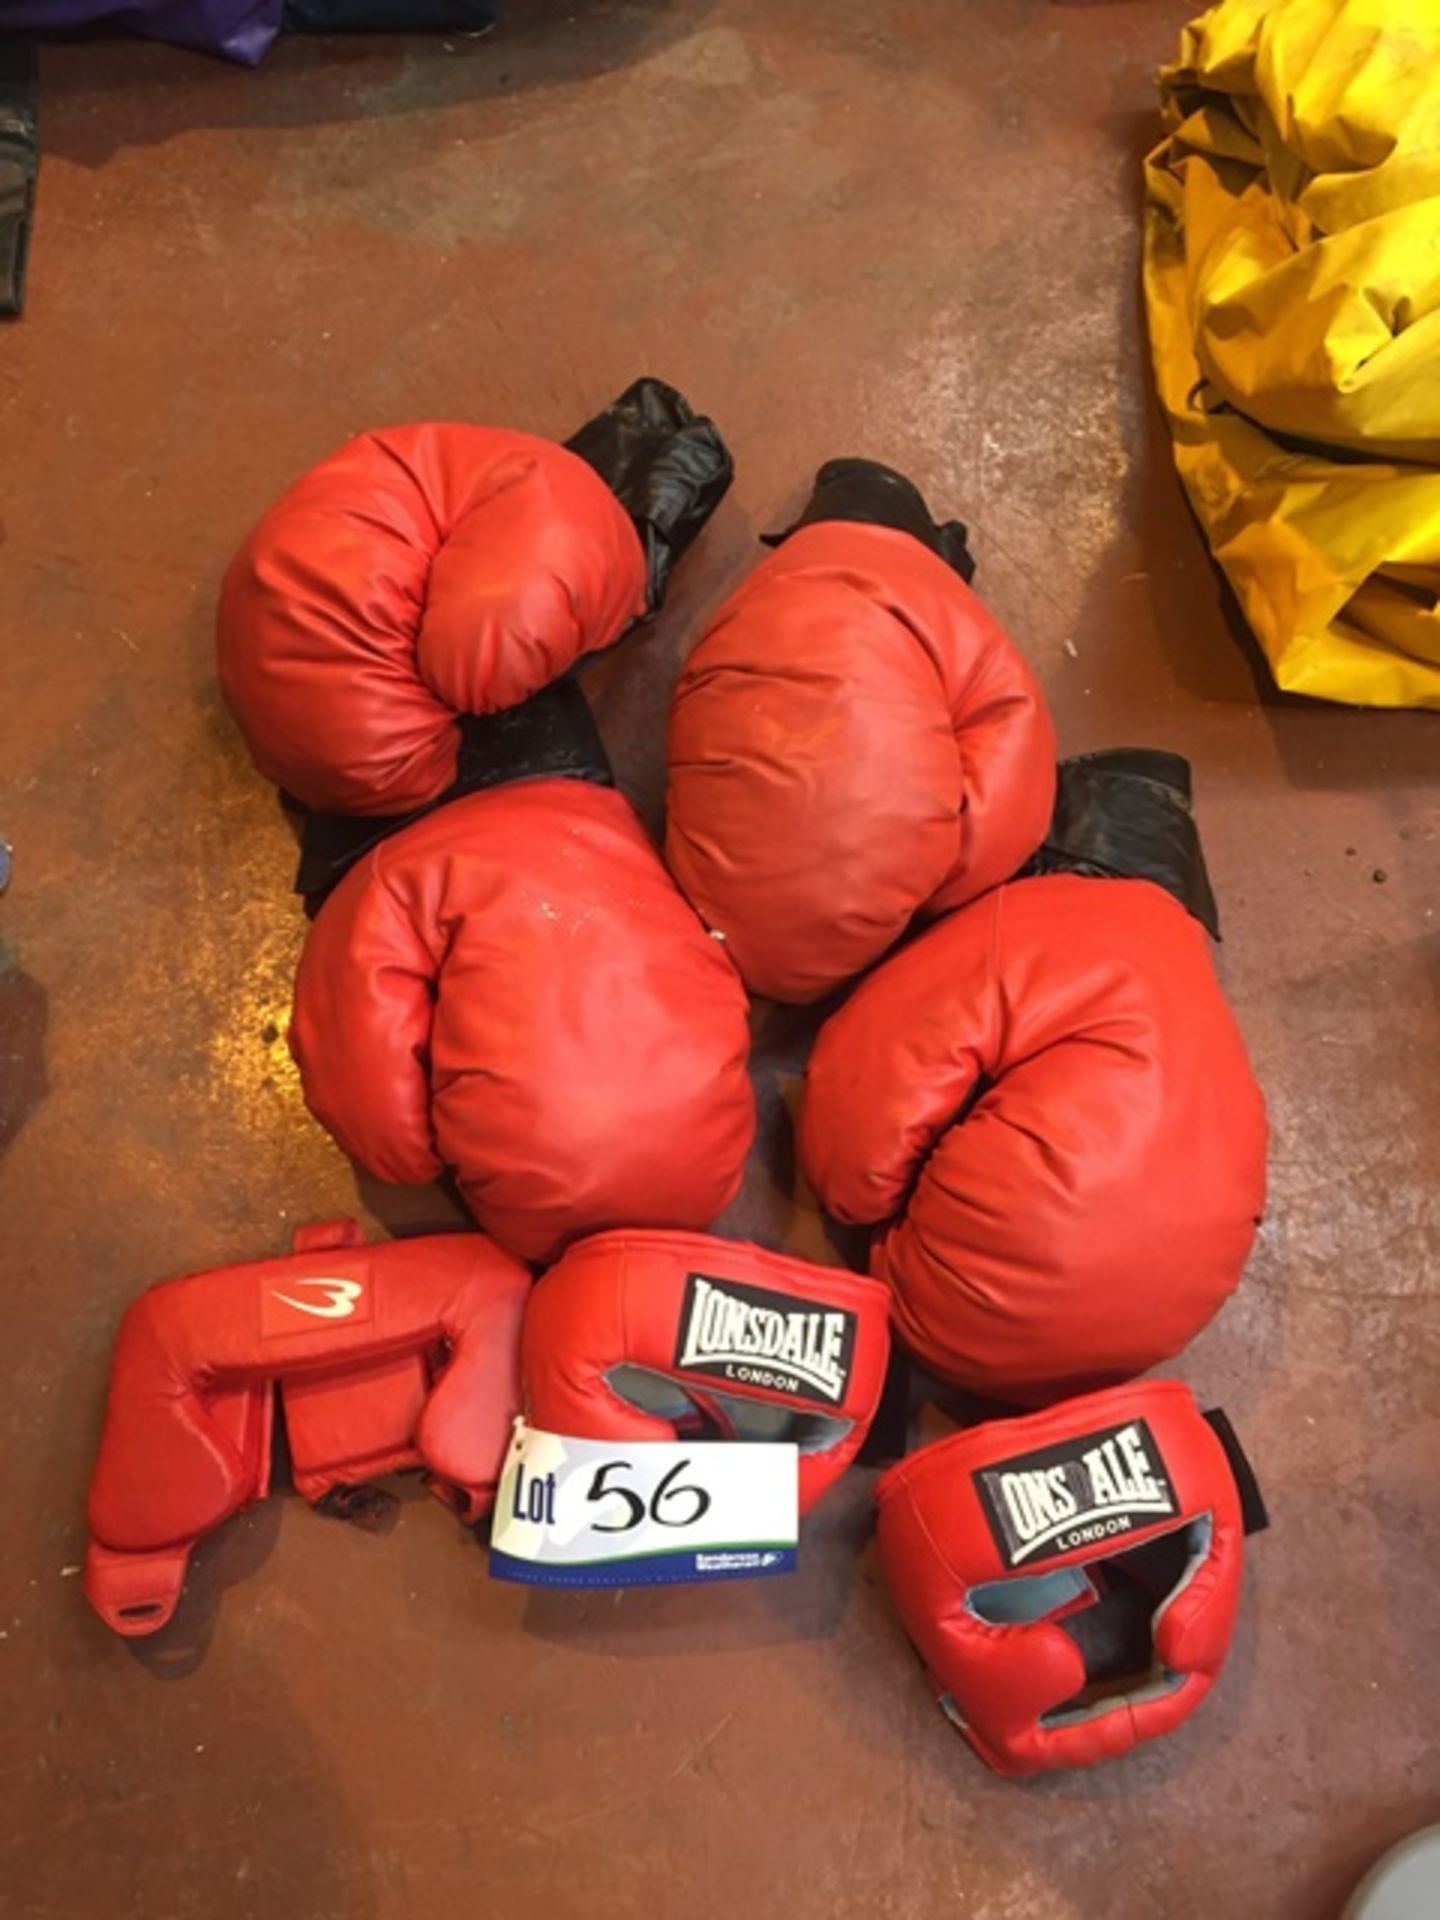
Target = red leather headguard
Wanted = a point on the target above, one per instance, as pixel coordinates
(650, 1335)
(1023, 1554)
(386, 1357)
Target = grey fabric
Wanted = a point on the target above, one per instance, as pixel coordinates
(1017, 1603)
(1201, 1534)
(750, 1419)
(1157, 1683)
(653, 1393)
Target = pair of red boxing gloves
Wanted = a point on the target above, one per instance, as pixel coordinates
(1041, 1105)
(1022, 1554)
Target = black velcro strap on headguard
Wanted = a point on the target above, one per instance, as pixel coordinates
(863, 490)
(19, 165)
(889, 1434)
(551, 736)
(667, 466)
(1252, 1501)
(1125, 815)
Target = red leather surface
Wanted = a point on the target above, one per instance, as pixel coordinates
(187, 1427)
(1095, 1206)
(418, 573)
(513, 987)
(853, 741)
(620, 1298)
(346, 1428)
(935, 1546)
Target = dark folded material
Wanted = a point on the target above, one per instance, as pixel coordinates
(550, 736)
(1125, 815)
(667, 466)
(863, 490)
(19, 164)
(238, 29)
(389, 16)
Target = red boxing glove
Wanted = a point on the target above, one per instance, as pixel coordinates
(416, 575)
(425, 573)
(853, 741)
(386, 1357)
(1045, 1107)
(512, 987)
(658, 1336)
(1027, 1557)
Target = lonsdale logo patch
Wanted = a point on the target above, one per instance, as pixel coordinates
(757, 1338)
(1076, 1493)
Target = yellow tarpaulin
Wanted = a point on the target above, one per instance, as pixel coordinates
(1292, 275)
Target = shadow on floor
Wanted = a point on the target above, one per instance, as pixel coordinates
(158, 92)
(24, 1016)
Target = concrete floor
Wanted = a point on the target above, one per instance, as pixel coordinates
(907, 228)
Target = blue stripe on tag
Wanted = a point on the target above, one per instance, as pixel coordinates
(649, 1569)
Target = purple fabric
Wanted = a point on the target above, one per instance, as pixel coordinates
(240, 29)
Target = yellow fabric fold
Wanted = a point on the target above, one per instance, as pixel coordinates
(1292, 279)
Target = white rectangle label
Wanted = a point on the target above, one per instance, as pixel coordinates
(601, 1513)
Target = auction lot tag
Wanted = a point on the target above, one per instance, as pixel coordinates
(601, 1513)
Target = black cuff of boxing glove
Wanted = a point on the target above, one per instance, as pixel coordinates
(667, 466)
(1125, 815)
(19, 165)
(550, 736)
(863, 490)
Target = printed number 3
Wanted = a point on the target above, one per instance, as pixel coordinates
(665, 1492)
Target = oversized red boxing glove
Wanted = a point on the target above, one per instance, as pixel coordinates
(513, 988)
(1045, 1108)
(650, 1336)
(854, 741)
(424, 574)
(386, 1357)
(1070, 1579)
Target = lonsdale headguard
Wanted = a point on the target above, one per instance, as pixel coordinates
(1070, 1578)
(658, 1336)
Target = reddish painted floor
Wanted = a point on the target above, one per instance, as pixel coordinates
(902, 227)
